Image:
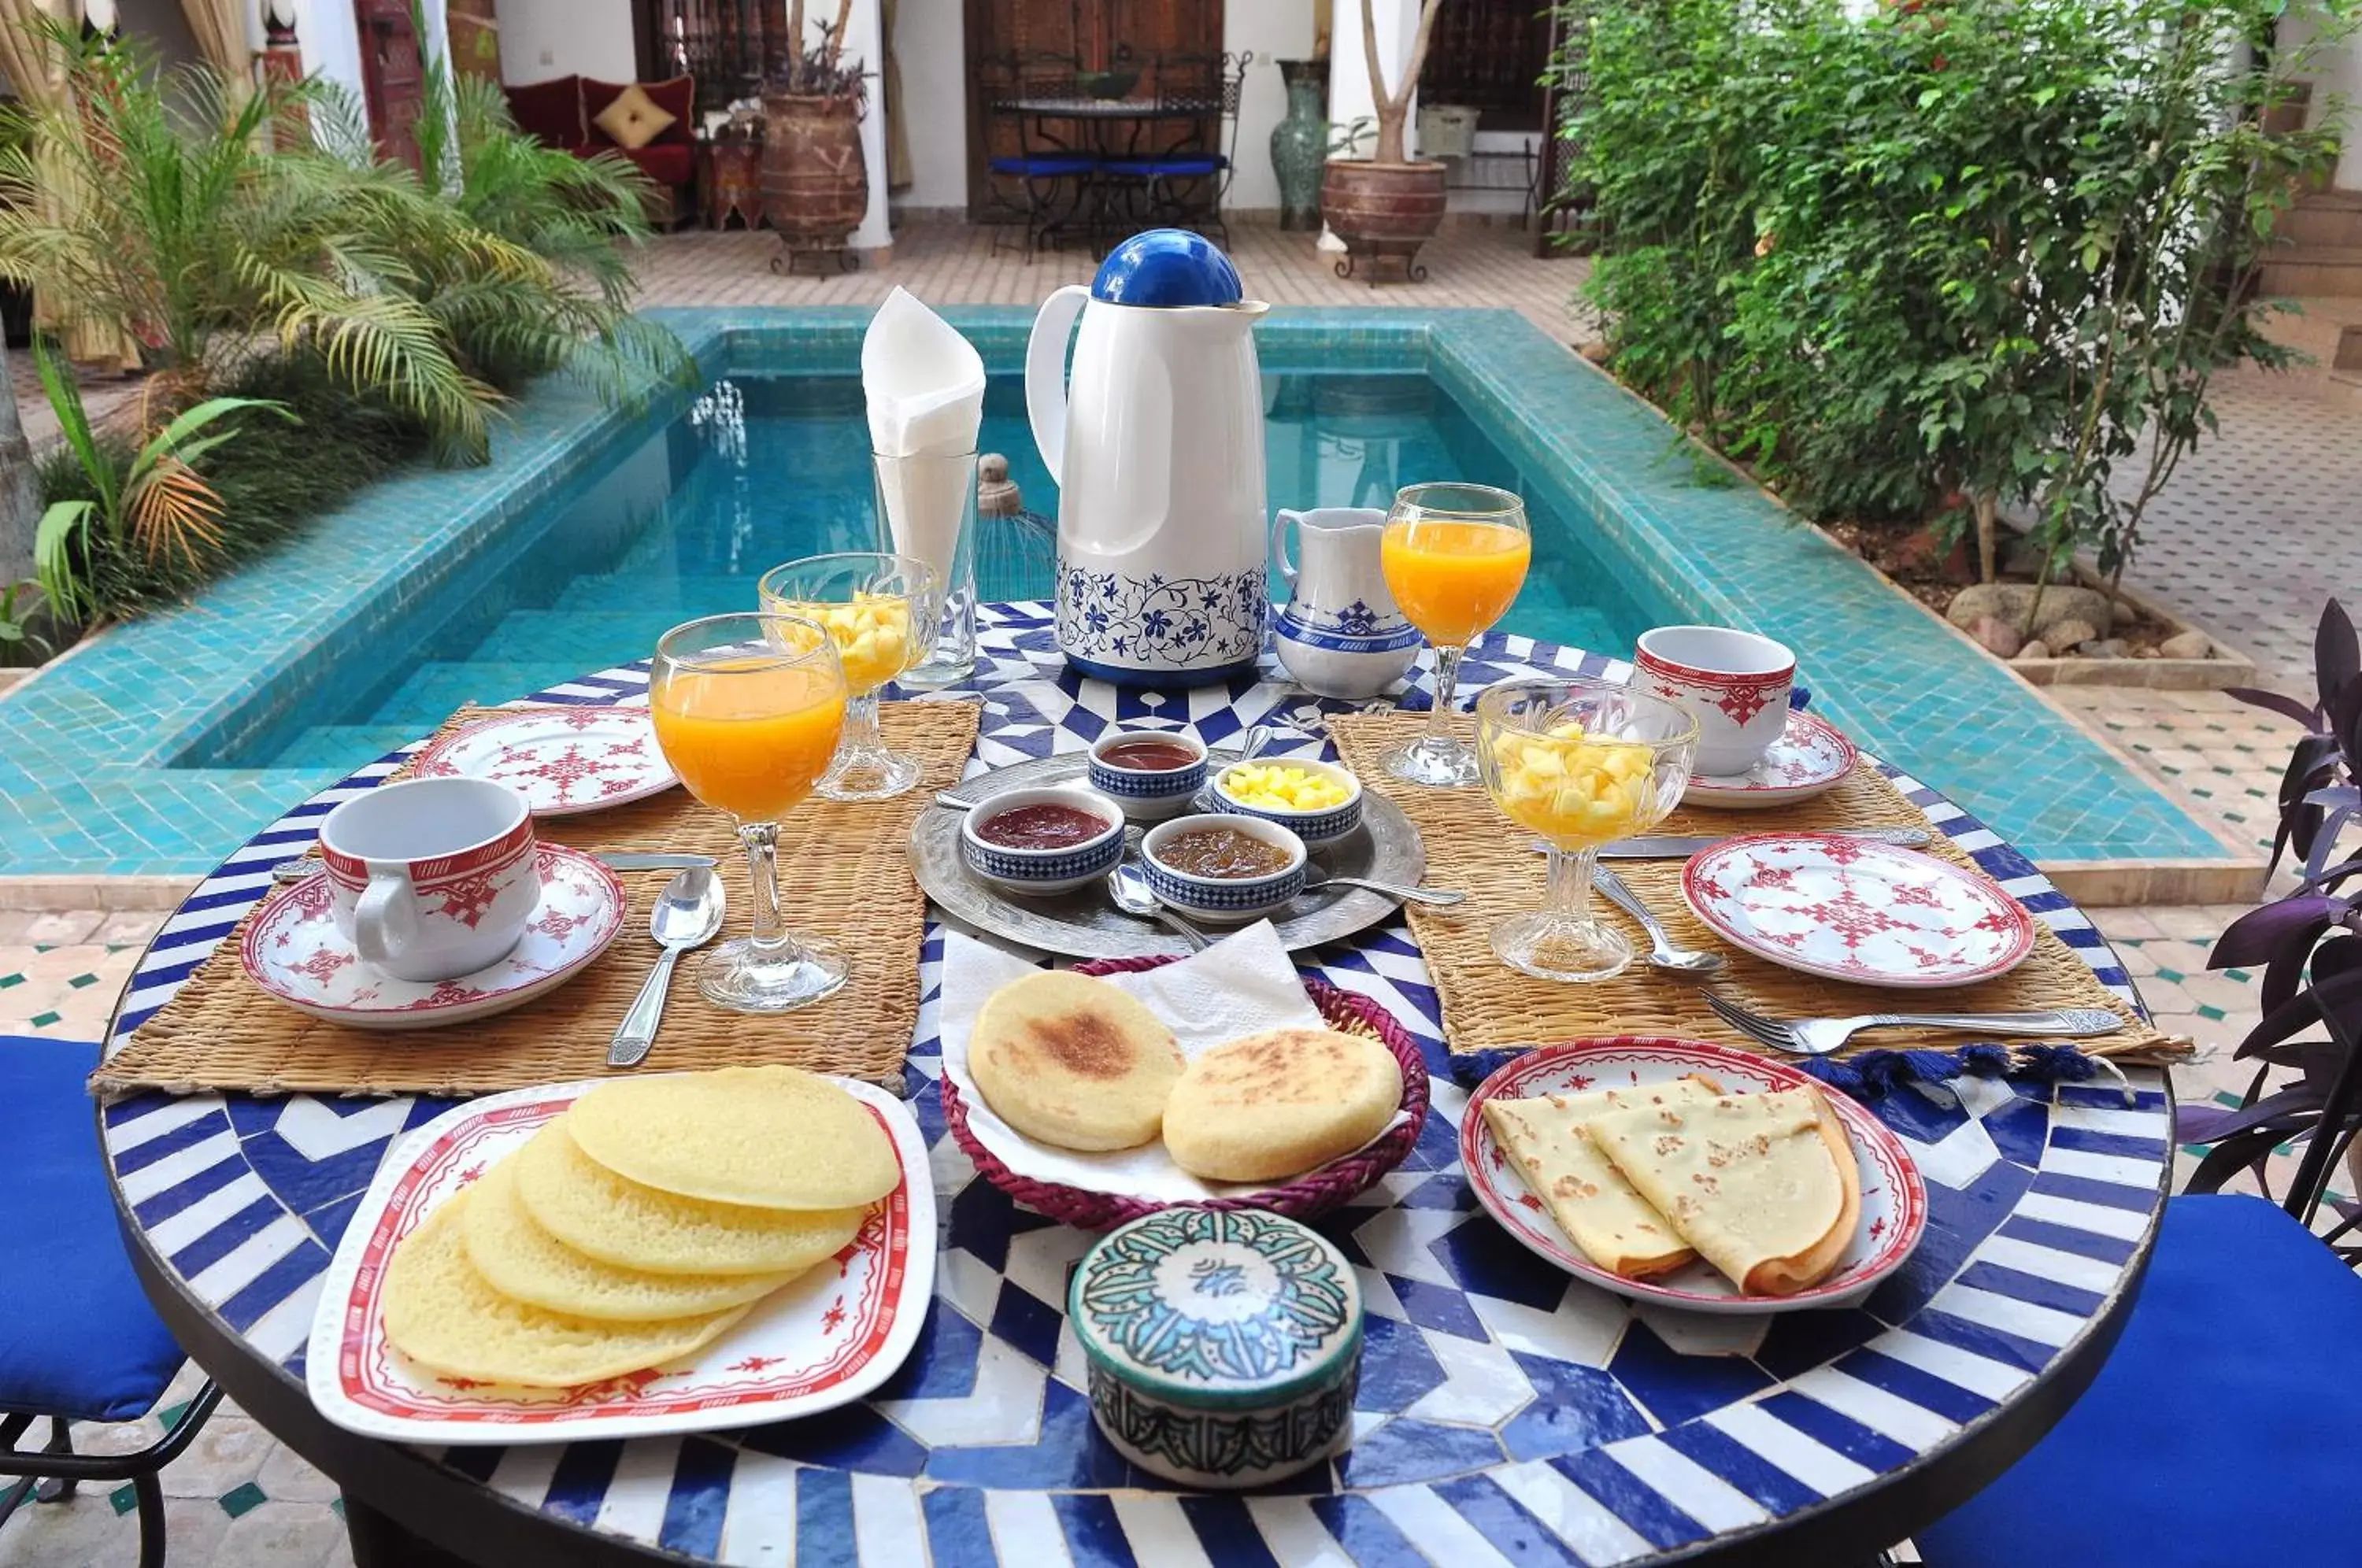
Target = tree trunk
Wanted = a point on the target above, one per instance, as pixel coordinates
(20, 496)
(1988, 505)
(1392, 124)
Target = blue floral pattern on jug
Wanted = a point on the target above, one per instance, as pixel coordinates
(1161, 623)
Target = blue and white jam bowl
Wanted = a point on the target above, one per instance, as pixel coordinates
(1324, 826)
(1224, 1345)
(1222, 901)
(1032, 871)
(1148, 794)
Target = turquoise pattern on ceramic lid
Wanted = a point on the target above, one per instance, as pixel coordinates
(1217, 1308)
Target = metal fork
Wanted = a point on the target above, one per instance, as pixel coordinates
(1819, 1037)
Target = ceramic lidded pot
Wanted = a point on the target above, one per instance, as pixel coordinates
(1224, 1345)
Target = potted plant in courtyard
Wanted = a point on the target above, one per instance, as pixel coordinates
(1386, 204)
(815, 181)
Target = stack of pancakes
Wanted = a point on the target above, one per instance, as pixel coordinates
(637, 1227)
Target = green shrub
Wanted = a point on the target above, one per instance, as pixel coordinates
(1987, 248)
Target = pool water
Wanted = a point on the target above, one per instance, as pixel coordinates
(762, 470)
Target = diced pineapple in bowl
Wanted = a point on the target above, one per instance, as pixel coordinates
(1572, 788)
(1320, 802)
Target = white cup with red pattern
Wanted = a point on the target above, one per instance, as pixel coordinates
(1735, 682)
(435, 877)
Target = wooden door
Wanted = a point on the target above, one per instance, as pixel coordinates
(390, 76)
(475, 30)
(1010, 43)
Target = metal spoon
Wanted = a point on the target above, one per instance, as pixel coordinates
(1433, 897)
(1128, 886)
(688, 913)
(944, 798)
(1663, 954)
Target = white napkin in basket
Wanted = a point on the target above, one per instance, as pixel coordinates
(1243, 984)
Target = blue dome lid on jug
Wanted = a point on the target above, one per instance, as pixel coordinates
(1167, 268)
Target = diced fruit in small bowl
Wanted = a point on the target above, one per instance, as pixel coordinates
(1572, 788)
(1031, 841)
(1317, 802)
(1221, 868)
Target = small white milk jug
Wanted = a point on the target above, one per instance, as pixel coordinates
(1156, 442)
(1340, 633)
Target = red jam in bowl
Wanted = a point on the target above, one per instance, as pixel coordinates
(1149, 756)
(1043, 826)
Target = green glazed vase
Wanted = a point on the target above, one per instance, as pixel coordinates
(1300, 144)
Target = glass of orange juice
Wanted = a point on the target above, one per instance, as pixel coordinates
(881, 611)
(1454, 555)
(748, 710)
(1582, 763)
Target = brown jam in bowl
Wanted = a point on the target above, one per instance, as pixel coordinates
(1222, 853)
(1149, 756)
(1046, 825)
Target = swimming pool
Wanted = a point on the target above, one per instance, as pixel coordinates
(761, 470)
(158, 748)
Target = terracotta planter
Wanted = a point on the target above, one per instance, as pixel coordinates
(1382, 211)
(815, 183)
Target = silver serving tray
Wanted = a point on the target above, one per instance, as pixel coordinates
(1085, 924)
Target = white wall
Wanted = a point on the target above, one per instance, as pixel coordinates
(930, 46)
(542, 39)
(2336, 72)
(1274, 29)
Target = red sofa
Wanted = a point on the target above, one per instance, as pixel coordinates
(563, 113)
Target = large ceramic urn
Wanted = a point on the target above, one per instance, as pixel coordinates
(1382, 211)
(815, 183)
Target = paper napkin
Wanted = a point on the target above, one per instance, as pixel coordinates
(1243, 984)
(924, 383)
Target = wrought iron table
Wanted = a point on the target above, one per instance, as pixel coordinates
(1506, 1413)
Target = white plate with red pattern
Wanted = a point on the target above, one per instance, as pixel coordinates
(1894, 1198)
(1848, 909)
(1811, 757)
(820, 1341)
(563, 760)
(294, 951)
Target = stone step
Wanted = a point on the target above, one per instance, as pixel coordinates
(2309, 224)
(592, 639)
(434, 689)
(2313, 272)
(345, 746)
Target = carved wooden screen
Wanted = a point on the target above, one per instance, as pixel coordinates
(728, 45)
(1017, 46)
(1489, 55)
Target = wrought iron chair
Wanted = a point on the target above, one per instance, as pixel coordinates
(78, 1341)
(1043, 166)
(1183, 183)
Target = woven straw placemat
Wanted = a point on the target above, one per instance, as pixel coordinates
(843, 874)
(1489, 1006)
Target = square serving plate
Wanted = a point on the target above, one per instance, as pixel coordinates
(821, 1341)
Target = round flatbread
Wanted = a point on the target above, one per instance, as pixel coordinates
(1278, 1103)
(439, 1311)
(596, 1212)
(1072, 1061)
(766, 1137)
(525, 1263)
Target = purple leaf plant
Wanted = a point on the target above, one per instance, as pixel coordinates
(2308, 947)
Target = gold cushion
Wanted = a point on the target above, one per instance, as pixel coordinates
(632, 120)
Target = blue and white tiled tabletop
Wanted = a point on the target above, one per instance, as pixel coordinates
(1507, 1412)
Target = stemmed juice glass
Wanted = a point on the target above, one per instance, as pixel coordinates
(748, 709)
(1454, 555)
(1582, 763)
(881, 611)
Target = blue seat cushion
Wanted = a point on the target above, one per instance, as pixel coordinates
(2221, 1429)
(1181, 167)
(77, 1337)
(1044, 168)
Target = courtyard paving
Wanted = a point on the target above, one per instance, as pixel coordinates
(2257, 529)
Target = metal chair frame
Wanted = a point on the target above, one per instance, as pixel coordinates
(1163, 198)
(1049, 75)
(64, 1470)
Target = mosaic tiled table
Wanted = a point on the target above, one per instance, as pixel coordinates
(1506, 1413)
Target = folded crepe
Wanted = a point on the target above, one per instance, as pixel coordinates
(1609, 1222)
(1763, 1186)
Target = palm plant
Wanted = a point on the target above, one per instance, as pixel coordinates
(156, 504)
